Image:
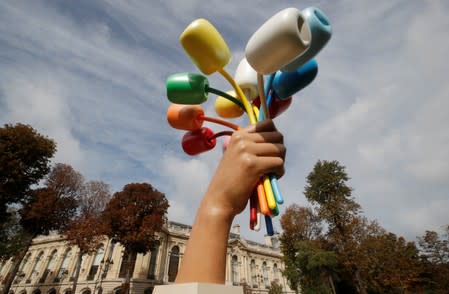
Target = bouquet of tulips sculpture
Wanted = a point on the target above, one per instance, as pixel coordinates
(278, 63)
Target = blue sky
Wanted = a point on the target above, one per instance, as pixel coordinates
(91, 75)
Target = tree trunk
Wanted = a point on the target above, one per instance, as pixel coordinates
(129, 272)
(359, 282)
(17, 260)
(79, 258)
(331, 282)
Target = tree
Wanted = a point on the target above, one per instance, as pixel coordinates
(434, 251)
(86, 231)
(389, 264)
(24, 160)
(275, 288)
(132, 217)
(302, 229)
(332, 198)
(48, 209)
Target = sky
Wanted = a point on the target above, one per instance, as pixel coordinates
(91, 75)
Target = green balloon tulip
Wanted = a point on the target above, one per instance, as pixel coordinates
(187, 88)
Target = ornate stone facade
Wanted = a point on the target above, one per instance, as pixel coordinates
(49, 265)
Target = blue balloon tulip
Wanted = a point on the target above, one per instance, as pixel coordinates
(286, 84)
(321, 31)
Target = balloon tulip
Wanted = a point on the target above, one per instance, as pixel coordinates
(185, 117)
(321, 31)
(187, 88)
(198, 141)
(246, 77)
(286, 84)
(205, 46)
(277, 106)
(226, 108)
(281, 39)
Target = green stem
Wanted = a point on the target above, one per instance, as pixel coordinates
(225, 95)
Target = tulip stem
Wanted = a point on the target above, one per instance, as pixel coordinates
(263, 100)
(240, 94)
(225, 95)
(219, 134)
(220, 122)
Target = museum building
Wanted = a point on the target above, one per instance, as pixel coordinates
(49, 266)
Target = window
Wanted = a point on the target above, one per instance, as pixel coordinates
(96, 263)
(63, 269)
(37, 265)
(235, 270)
(253, 273)
(52, 291)
(86, 291)
(265, 275)
(49, 267)
(173, 264)
(37, 291)
(21, 273)
(123, 265)
(153, 260)
(78, 266)
(276, 273)
(148, 290)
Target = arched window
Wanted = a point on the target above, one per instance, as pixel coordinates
(117, 290)
(276, 273)
(49, 267)
(153, 260)
(235, 270)
(173, 264)
(86, 291)
(123, 265)
(25, 263)
(265, 275)
(253, 273)
(96, 263)
(37, 291)
(37, 265)
(63, 269)
(68, 291)
(52, 291)
(80, 266)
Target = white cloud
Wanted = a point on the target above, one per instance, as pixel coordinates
(93, 79)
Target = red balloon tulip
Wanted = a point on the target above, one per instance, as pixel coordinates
(198, 141)
(277, 106)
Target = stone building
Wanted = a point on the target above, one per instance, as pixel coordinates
(49, 265)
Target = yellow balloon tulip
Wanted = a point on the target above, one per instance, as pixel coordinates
(226, 108)
(205, 46)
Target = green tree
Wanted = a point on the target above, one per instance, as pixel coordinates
(327, 190)
(132, 217)
(275, 288)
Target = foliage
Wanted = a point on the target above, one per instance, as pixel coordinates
(389, 264)
(332, 248)
(435, 258)
(24, 160)
(275, 288)
(132, 217)
(13, 238)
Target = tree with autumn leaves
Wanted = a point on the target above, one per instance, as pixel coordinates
(132, 218)
(331, 247)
